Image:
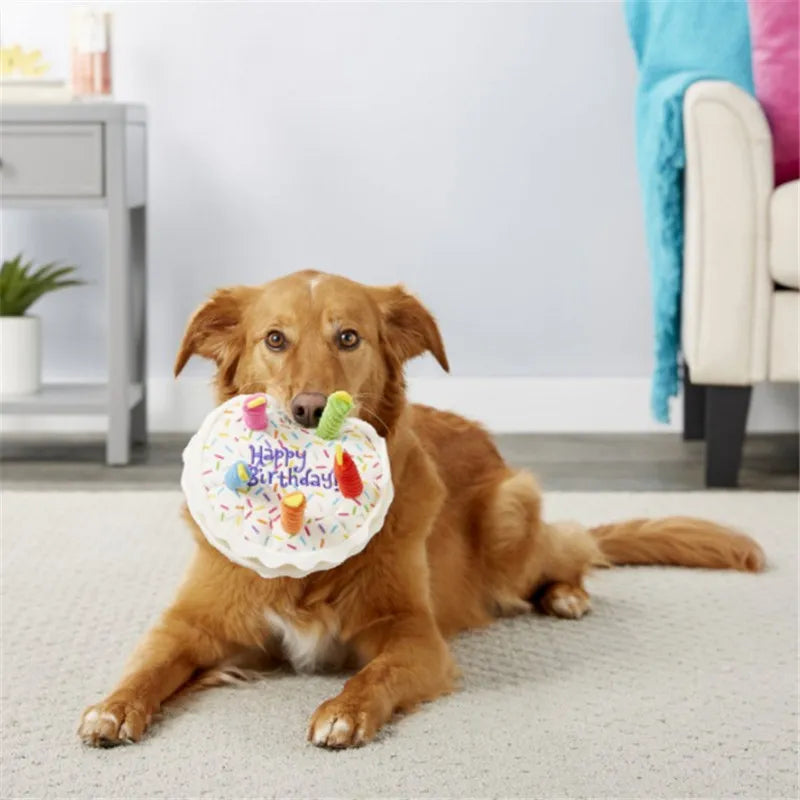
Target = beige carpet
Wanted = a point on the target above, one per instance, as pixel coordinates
(681, 683)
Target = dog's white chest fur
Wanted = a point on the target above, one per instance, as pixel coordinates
(307, 649)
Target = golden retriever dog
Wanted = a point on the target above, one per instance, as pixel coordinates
(463, 542)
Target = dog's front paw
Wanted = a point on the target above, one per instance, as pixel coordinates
(339, 723)
(113, 722)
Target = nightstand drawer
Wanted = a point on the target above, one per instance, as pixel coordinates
(51, 160)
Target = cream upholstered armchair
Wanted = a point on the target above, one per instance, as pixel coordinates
(741, 305)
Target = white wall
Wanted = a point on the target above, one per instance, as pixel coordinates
(480, 153)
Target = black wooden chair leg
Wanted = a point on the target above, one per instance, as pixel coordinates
(726, 421)
(694, 409)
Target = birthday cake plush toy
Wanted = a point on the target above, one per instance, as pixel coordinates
(281, 499)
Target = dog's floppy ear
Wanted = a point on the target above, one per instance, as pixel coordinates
(410, 327)
(215, 331)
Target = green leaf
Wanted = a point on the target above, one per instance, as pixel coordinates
(22, 284)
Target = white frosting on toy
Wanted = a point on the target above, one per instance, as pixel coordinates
(245, 524)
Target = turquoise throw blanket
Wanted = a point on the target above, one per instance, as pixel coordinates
(677, 42)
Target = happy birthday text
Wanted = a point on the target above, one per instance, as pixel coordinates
(287, 467)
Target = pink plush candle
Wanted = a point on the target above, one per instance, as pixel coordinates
(255, 412)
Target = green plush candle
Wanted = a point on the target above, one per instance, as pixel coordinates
(336, 409)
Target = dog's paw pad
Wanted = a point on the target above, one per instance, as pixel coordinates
(336, 726)
(111, 723)
(565, 601)
(570, 606)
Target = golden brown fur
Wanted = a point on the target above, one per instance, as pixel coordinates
(463, 542)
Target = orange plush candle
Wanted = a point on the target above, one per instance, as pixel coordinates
(346, 472)
(293, 510)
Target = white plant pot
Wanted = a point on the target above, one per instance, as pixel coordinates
(20, 355)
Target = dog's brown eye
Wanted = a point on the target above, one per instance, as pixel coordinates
(348, 340)
(276, 341)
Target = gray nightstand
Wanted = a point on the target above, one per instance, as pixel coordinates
(91, 155)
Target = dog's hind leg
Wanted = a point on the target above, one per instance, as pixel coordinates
(509, 529)
(527, 559)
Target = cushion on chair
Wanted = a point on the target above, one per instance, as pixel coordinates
(774, 36)
(784, 251)
(784, 354)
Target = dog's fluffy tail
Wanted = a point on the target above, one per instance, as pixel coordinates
(682, 541)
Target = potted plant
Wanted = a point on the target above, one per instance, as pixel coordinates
(21, 285)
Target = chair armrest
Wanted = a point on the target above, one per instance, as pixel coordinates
(726, 284)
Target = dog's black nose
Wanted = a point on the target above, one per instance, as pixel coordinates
(307, 408)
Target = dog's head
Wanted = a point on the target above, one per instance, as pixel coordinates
(301, 337)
